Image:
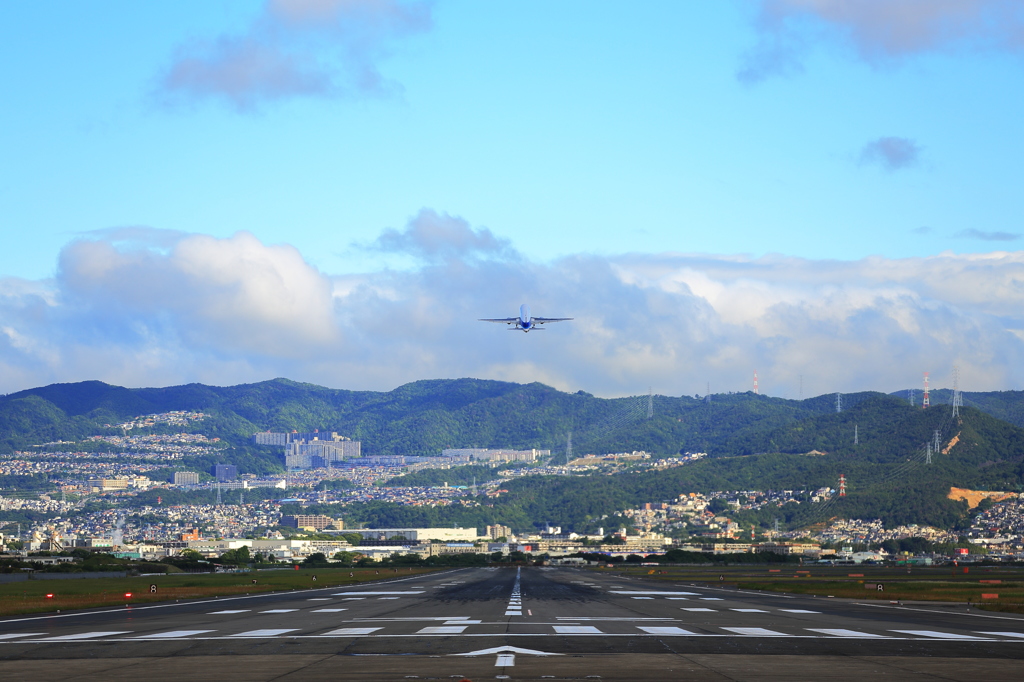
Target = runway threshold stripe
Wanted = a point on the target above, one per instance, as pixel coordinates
(757, 632)
(13, 635)
(279, 611)
(1019, 635)
(505, 660)
(174, 634)
(654, 630)
(749, 610)
(798, 611)
(342, 632)
(936, 634)
(839, 632)
(218, 613)
(264, 633)
(86, 635)
(329, 610)
(576, 630)
(442, 630)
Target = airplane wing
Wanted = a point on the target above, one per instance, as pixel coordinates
(504, 320)
(542, 320)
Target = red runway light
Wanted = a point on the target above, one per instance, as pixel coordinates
(127, 595)
(50, 596)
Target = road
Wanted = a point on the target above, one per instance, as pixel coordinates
(507, 623)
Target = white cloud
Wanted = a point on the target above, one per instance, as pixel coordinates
(878, 31)
(891, 153)
(296, 48)
(183, 308)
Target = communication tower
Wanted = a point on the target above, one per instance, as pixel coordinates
(925, 402)
(756, 392)
(839, 402)
(707, 396)
(218, 493)
(650, 403)
(958, 399)
(938, 441)
(928, 454)
(842, 485)
(856, 439)
(910, 396)
(568, 449)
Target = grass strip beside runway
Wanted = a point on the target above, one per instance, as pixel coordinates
(997, 588)
(31, 596)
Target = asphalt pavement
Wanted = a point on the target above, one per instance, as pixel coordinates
(519, 624)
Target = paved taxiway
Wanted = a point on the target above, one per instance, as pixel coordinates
(506, 623)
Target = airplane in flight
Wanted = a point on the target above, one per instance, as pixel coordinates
(524, 322)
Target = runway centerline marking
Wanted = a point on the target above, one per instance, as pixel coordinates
(576, 630)
(443, 630)
(279, 611)
(263, 633)
(218, 613)
(329, 610)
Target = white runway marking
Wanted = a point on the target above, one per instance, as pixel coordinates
(749, 610)
(263, 633)
(1004, 634)
(346, 594)
(654, 630)
(319, 599)
(798, 611)
(217, 613)
(708, 610)
(839, 632)
(565, 617)
(461, 621)
(678, 598)
(936, 634)
(505, 660)
(86, 635)
(757, 632)
(329, 610)
(353, 631)
(279, 611)
(442, 630)
(22, 634)
(576, 630)
(390, 597)
(655, 592)
(641, 597)
(711, 599)
(513, 613)
(174, 634)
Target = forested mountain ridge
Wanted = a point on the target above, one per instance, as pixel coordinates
(424, 417)
(754, 441)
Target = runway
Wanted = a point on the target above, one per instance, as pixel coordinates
(507, 623)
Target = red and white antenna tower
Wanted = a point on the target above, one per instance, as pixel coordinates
(925, 402)
(756, 392)
(842, 485)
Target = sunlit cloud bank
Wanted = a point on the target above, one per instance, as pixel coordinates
(149, 307)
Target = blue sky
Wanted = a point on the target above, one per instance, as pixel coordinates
(751, 147)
